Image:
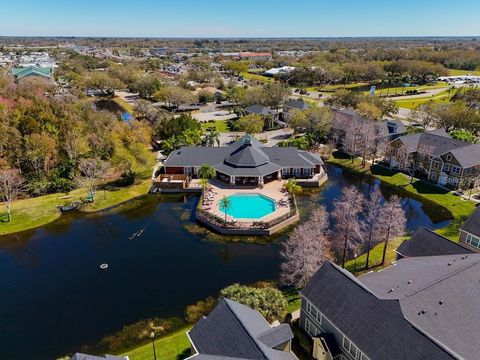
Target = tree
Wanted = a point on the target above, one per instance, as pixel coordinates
(391, 222)
(174, 95)
(92, 172)
(292, 187)
(211, 138)
(225, 204)
(369, 111)
(269, 301)
(372, 209)
(11, 183)
(235, 67)
(463, 135)
(305, 250)
(347, 230)
(275, 94)
(316, 121)
(251, 124)
(206, 171)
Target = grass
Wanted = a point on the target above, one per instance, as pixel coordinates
(219, 125)
(35, 212)
(257, 77)
(443, 96)
(169, 347)
(128, 107)
(455, 72)
(339, 87)
(402, 90)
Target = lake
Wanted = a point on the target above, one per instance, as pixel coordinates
(54, 298)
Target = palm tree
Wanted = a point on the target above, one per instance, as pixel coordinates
(206, 171)
(226, 204)
(212, 138)
(292, 187)
(204, 183)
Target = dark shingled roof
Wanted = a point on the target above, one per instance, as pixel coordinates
(259, 110)
(425, 242)
(233, 330)
(245, 157)
(434, 143)
(467, 156)
(439, 295)
(297, 104)
(472, 225)
(376, 326)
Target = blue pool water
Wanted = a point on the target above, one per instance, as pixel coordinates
(249, 206)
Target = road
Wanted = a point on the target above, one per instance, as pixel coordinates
(273, 137)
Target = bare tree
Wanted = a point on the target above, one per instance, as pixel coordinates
(305, 250)
(352, 131)
(405, 160)
(92, 172)
(11, 183)
(347, 229)
(372, 210)
(391, 222)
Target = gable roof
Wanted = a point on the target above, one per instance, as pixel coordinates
(297, 104)
(20, 73)
(259, 110)
(468, 155)
(233, 330)
(434, 143)
(472, 225)
(439, 295)
(376, 326)
(425, 242)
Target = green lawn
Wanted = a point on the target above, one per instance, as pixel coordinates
(454, 72)
(219, 125)
(257, 77)
(166, 348)
(402, 90)
(444, 96)
(35, 212)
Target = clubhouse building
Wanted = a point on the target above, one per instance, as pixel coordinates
(247, 162)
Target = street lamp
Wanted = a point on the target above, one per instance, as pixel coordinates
(355, 264)
(152, 335)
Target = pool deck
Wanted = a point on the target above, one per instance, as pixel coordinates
(272, 190)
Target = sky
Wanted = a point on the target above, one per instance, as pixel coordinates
(239, 18)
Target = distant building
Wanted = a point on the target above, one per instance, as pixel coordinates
(32, 72)
(255, 55)
(470, 231)
(417, 309)
(279, 70)
(291, 106)
(235, 331)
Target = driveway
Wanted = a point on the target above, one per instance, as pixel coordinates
(273, 137)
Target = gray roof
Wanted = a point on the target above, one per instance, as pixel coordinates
(80, 356)
(439, 295)
(376, 326)
(259, 110)
(433, 143)
(233, 330)
(297, 104)
(468, 155)
(385, 128)
(472, 225)
(245, 157)
(425, 242)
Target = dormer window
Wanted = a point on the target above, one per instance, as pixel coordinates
(449, 157)
(247, 141)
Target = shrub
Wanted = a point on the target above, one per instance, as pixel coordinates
(269, 301)
(126, 179)
(201, 308)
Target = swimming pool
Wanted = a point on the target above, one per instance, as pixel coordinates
(248, 206)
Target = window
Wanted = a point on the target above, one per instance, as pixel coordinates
(473, 241)
(434, 176)
(307, 171)
(311, 328)
(455, 170)
(449, 157)
(446, 167)
(436, 165)
(297, 171)
(286, 171)
(349, 347)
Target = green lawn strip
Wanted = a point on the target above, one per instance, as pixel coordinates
(166, 348)
(455, 72)
(128, 107)
(257, 77)
(219, 125)
(443, 96)
(293, 299)
(35, 212)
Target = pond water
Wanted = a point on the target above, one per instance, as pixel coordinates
(54, 298)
